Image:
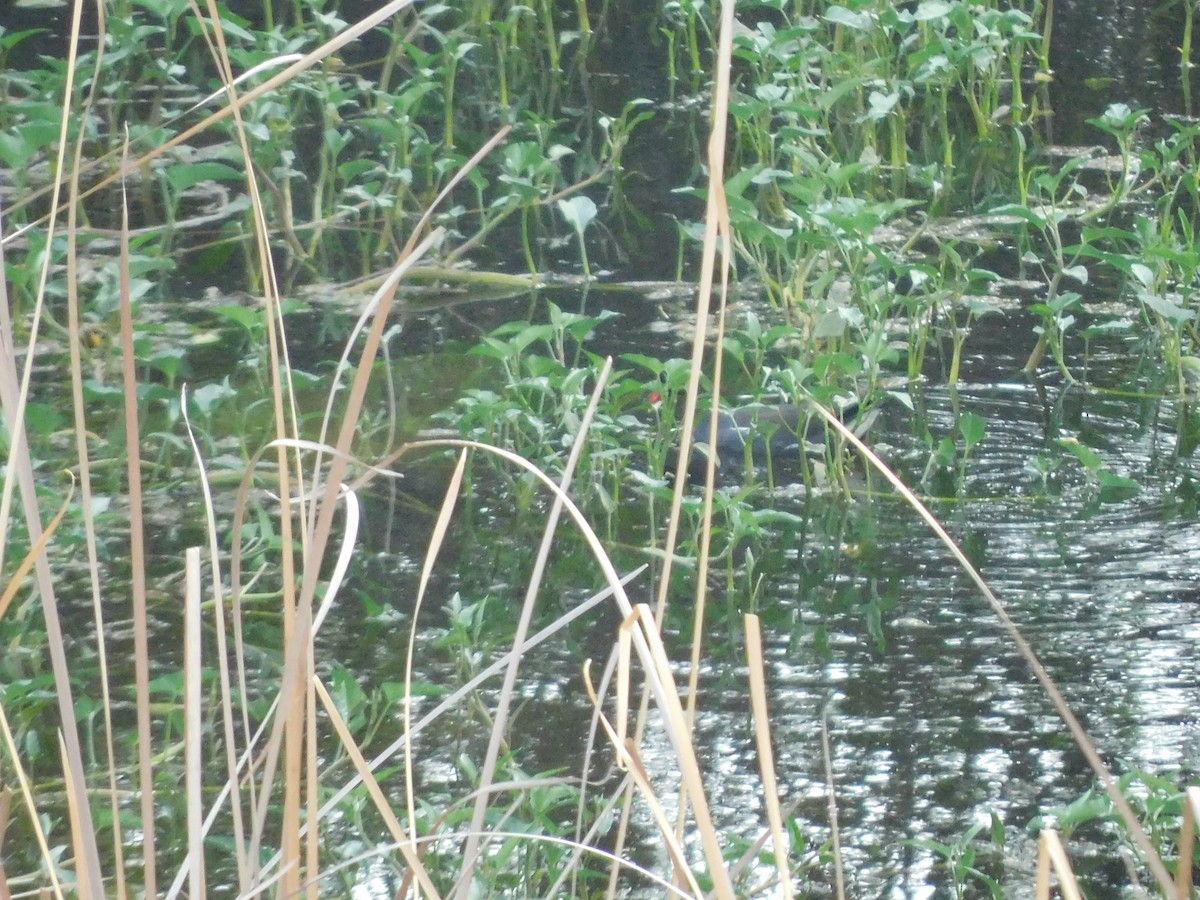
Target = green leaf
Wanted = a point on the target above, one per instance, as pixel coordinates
(928, 10)
(999, 838)
(207, 396)
(579, 211)
(881, 105)
(242, 315)
(973, 428)
(1021, 212)
(651, 363)
(182, 176)
(1142, 273)
(1114, 487)
(839, 15)
(1079, 273)
(1088, 808)
(41, 419)
(1090, 458)
(1168, 309)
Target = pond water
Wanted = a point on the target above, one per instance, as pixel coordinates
(943, 724)
(934, 722)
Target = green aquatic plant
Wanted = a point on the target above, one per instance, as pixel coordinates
(579, 212)
(1111, 486)
(971, 861)
(1054, 198)
(1157, 801)
(378, 149)
(946, 465)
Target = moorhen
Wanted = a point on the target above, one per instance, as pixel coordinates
(773, 431)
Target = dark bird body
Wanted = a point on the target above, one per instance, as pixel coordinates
(774, 433)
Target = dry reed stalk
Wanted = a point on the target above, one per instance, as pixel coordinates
(716, 223)
(79, 413)
(753, 851)
(641, 631)
(1187, 840)
(30, 805)
(5, 806)
(295, 649)
(835, 831)
(629, 759)
(193, 725)
(766, 755)
(283, 400)
(83, 887)
(137, 571)
(404, 843)
(440, 527)
(19, 470)
(1052, 857)
(297, 659)
(598, 820)
(449, 702)
(220, 630)
(30, 558)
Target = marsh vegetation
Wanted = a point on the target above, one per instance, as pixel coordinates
(372, 339)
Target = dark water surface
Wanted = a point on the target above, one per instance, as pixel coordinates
(944, 724)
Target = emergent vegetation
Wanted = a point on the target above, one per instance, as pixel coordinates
(199, 202)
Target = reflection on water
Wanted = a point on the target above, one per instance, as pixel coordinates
(945, 725)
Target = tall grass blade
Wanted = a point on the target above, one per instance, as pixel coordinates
(78, 838)
(220, 629)
(137, 572)
(31, 558)
(628, 759)
(1052, 857)
(675, 722)
(19, 470)
(283, 397)
(5, 808)
(296, 653)
(716, 237)
(835, 830)
(79, 409)
(352, 519)
(600, 818)
(1187, 841)
(312, 846)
